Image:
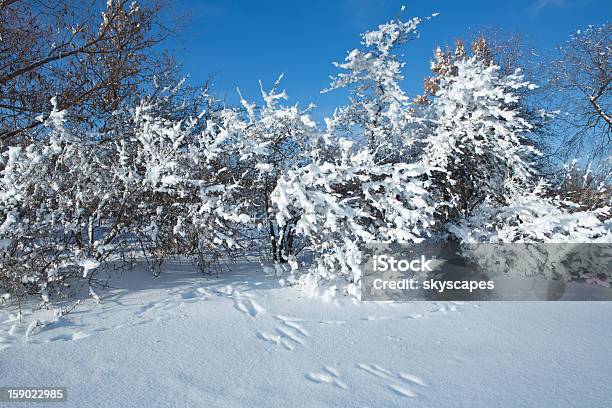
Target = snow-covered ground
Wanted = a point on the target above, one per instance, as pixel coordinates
(241, 340)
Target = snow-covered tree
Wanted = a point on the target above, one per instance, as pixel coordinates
(379, 109)
(479, 143)
(580, 90)
(345, 194)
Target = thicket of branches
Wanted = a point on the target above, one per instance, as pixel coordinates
(102, 160)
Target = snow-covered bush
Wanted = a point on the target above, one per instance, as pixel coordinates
(59, 210)
(532, 217)
(557, 232)
(184, 194)
(342, 204)
(589, 187)
(70, 200)
(270, 140)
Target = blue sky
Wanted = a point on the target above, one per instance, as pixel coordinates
(243, 41)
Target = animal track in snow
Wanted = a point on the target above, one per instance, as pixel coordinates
(249, 306)
(295, 326)
(329, 375)
(291, 330)
(276, 339)
(288, 334)
(412, 378)
(397, 382)
(242, 302)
